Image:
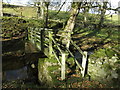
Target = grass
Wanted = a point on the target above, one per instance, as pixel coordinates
(28, 12)
(114, 19)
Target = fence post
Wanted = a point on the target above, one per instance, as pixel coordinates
(50, 44)
(35, 33)
(32, 35)
(84, 60)
(27, 36)
(63, 66)
(28, 33)
(42, 39)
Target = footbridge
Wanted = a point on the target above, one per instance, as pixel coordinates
(46, 41)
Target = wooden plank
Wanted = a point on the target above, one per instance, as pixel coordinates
(38, 33)
(84, 61)
(56, 45)
(38, 40)
(80, 51)
(38, 46)
(63, 66)
(37, 36)
(57, 57)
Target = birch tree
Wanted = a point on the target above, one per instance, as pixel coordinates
(103, 9)
(70, 23)
(1, 14)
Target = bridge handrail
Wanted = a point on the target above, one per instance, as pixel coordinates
(75, 59)
(57, 45)
(69, 51)
(51, 39)
(80, 51)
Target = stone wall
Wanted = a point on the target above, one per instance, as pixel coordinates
(44, 77)
(104, 69)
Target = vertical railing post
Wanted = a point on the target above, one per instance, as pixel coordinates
(84, 61)
(63, 66)
(28, 33)
(35, 36)
(42, 39)
(31, 32)
(27, 36)
(50, 43)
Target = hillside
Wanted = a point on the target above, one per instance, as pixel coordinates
(24, 11)
(100, 41)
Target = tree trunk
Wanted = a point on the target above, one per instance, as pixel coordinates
(102, 17)
(85, 13)
(42, 11)
(44, 16)
(70, 24)
(1, 13)
(42, 8)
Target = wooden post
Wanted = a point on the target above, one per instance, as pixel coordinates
(35, 37)
(27, 36)
(31, 35)
(42, 39)
(50, 44)
(63, 66)
(28, 33)
(84, 60)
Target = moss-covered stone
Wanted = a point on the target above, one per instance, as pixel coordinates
(103, 66)
(43, 73)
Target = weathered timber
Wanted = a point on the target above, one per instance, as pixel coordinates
(84, 61)
(50, 44)
(63, 66)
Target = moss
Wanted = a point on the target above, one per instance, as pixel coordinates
(71, 61)
(52, 68)
(51, 60)
(107, 67)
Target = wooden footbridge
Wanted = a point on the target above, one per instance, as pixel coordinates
(45, 40)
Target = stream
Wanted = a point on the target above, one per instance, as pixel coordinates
(19, 68)
(24, 65)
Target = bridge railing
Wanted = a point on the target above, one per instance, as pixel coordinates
(64, 55)
(42, 38)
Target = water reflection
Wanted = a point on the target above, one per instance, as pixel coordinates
(15, 74)
(20, 67)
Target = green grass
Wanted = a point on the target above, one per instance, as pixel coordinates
(114, 19)
(28, 12)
